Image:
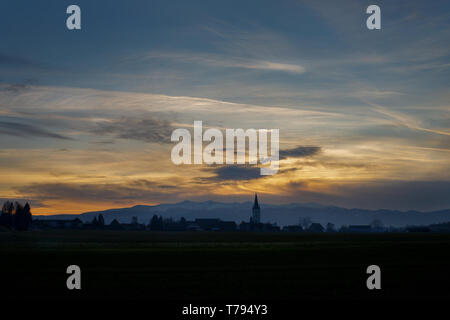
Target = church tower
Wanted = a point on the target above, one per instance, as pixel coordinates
(256, 212)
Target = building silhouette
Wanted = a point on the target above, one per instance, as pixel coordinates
(256, 211)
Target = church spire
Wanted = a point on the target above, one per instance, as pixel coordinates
(256, 212)
(255, 204)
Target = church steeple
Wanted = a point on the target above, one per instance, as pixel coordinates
(256, 211)
(255, 204)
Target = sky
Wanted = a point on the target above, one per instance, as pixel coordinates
(86, 115)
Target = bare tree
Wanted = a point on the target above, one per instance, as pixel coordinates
(330, 227)
(377, 224)
(305, 222)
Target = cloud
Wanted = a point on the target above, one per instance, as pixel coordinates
(405, 120)
(236, 172)
(138, 190)
(402, 195)
(380, 194)
(222, 61)
(27, 130)
(397, 195)
(300, 152)
(33, 203)
(271, 66)
(106, 116)
(18, 63)
(147, 130)
(18, 87)
(15, 61)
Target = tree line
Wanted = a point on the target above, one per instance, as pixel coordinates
(15, 216)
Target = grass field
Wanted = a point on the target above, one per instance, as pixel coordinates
(216, 266)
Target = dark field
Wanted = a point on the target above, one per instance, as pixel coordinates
(211, 266)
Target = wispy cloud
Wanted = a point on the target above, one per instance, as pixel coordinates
(19, 86)
(405, 120)
(235, 172)
(117, 193)
(16, 61)
(27, 130)
(299, 152)
(222, 61)
(273, 66)
(147, 130)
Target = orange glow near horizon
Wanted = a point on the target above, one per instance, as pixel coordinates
(91, 172)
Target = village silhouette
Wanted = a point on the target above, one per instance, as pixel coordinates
(18, 217)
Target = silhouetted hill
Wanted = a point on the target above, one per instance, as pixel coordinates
(281, 214)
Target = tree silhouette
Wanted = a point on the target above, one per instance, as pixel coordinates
(330, 227)
(183, 222)
(16, 216)
(305, 222)
(115, 225)
(6, 218)
(25, 218)
(101, 220)
(156, 223)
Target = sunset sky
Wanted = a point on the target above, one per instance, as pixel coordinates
(86, 115)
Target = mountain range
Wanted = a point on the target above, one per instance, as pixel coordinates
(282, 214)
